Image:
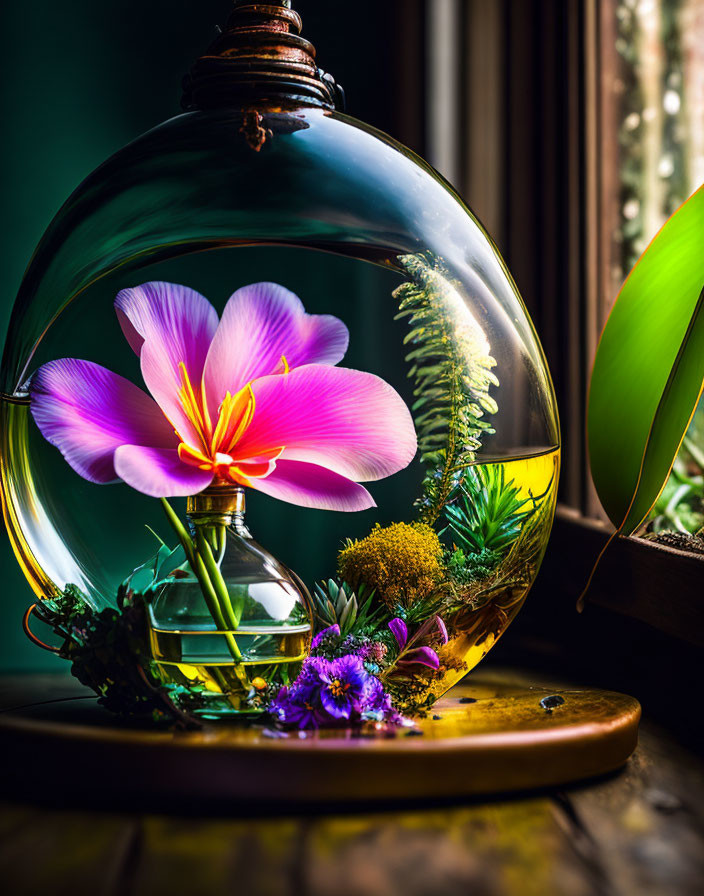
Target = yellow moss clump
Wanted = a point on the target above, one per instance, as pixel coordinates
(402, 561)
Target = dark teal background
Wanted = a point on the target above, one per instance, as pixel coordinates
(83, 79)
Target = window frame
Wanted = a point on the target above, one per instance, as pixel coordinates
(542, 173)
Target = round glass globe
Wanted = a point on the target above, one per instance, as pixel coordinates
(303, 177)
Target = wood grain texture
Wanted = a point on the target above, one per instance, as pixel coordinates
(486, 736)
(638, 833)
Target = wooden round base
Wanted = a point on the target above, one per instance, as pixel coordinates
(494, 733)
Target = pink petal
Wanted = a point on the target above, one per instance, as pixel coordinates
(348, 421)
(87, 412)
(168, 324)
(159, 472)
(311, 486)
(422, 656)
(257, 469)
(260, 324)
(400, 631)
(442, 628)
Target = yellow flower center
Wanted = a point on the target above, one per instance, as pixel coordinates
(217, 444)
(338, 688)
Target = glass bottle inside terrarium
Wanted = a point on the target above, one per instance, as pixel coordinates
(265, 169)
(258, 633)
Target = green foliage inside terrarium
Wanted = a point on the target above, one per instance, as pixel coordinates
(434, 549)
(421, 601)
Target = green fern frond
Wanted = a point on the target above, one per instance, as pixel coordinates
(451, 366)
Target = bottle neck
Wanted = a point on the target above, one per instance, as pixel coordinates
(218, 506)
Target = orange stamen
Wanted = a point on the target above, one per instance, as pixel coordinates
(192, 408)
(226, 409)
(204, 406)
(235, 414)
(245, 419)
(193, 457)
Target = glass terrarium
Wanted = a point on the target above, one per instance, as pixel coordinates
(263, 178)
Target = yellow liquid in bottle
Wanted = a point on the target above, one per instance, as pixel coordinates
(480, 615)
(186, 658)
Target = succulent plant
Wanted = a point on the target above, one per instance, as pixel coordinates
(335, 603)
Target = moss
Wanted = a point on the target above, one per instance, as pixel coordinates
(473, 567)
(403, 562)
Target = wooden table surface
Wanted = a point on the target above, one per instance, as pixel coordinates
(636, 833)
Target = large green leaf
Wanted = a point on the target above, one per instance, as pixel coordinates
(649, 370)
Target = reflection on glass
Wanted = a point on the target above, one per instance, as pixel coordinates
(456, 337)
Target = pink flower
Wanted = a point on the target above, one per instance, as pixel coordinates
(408, 653)
(253, 399)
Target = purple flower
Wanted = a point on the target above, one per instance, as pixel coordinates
(299, 710)
(343, 686)
(253, 399)
(332, 631)
(330, 693)
(374, 652)
(399, 630)
(375, 698)
(421, 656)
(410, 655)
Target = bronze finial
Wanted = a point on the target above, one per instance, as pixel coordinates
(259, 55)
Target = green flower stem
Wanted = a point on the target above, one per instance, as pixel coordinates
(239, 601)
(207, 577)
(215, 535)
(215, 575)
(221, 533)
(215, 605)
